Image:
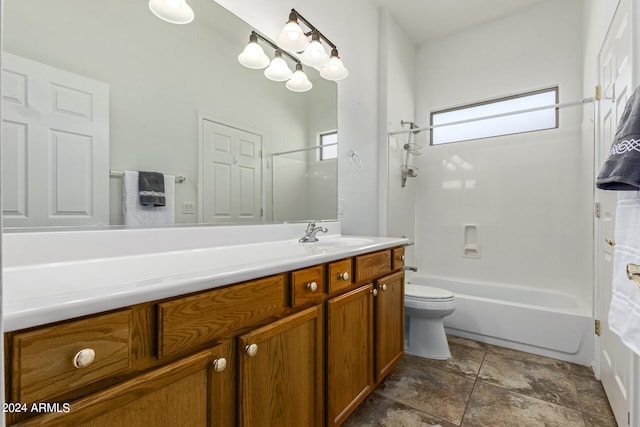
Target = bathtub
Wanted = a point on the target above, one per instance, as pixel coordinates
(538, 321)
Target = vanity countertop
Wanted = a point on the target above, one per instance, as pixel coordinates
(38, 294)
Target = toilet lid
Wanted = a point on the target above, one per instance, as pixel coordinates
(426, 292)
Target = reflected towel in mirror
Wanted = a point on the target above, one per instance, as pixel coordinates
(136, 214)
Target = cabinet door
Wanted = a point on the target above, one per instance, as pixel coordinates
(349, 352)
(183, 393)
(280, 380)
(389, 309)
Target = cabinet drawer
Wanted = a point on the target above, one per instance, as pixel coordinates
(307, 285)
(397, 258)
(191, 321)
(372, 265)
(340, 275)
(43, 359)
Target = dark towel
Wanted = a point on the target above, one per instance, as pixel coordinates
(621, 170)
(151, 188)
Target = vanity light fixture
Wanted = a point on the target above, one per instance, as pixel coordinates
(254, 57)
(173, 11)
(299, 82)
(278, 70)
(294, 39)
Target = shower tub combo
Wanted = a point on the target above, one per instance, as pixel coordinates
(538, 321)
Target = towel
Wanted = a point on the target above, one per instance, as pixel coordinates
(151, 188)
(621, 170)
(624, 312)
(136, 214)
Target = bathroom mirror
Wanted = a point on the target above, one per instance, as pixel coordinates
(164, 82)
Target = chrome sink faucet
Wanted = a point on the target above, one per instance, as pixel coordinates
(311, 231)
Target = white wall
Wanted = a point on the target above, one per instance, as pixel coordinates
(153, 123)
(526, 192)
(397, 92)
(353, 27)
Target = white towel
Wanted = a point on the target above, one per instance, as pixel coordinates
(138, 215)
(624, 313)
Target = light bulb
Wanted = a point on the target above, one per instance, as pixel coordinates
(173, 11)
(334, 69)
(292, 38)
(315, 55)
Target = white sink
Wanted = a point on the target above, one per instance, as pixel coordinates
(338, 242)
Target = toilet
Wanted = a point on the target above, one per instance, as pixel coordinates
(425, 308)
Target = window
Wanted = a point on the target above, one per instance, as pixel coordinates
(329, 145)
(496, 126)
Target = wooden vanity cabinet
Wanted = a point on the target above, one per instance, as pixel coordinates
(280, 372)
(389, 320)
(266, 352)
(198, 390)
(365, 334)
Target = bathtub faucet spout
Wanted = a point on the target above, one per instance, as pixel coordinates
(414, 269)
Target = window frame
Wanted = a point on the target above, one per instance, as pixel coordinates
(494, 101)
(322, 147)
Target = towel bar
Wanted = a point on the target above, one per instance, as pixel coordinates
(179, 179)
(633, 273)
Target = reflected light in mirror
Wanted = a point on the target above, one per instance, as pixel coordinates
(299, 82)
(173, 11)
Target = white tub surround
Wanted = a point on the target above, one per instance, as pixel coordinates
(53, 276)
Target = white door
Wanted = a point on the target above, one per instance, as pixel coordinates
(231, 174)
(55, 146)
(614, 63)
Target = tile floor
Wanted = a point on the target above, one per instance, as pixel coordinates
(485, 385)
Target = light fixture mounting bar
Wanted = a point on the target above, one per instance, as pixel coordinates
(275, 46)
(313, 29)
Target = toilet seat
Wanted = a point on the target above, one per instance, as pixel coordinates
(426, 293)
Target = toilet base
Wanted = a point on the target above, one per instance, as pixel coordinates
(427, 338)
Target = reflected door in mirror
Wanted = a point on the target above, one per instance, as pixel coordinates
(231, 174)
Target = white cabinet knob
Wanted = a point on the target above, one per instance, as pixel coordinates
(384, 286)
(344, 276)
(84, 358)
(220, 365)
(252, 350)
(313, 286)
(374, 292)
(402, 258)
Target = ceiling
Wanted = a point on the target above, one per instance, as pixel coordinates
(425, 20)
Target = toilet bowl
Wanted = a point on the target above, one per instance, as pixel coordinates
(425, 308)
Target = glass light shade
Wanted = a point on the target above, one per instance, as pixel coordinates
(314, 55)
(173, 11)
(292, 38)
(253, 56)
(335, 69)
(278, 70)
(299, 82)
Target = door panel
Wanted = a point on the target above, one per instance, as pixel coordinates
(55, 146)
(231, 174)
(614, 63)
